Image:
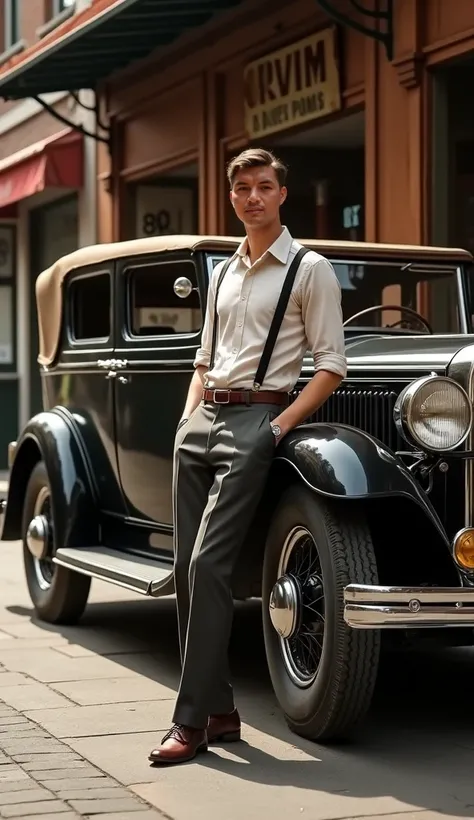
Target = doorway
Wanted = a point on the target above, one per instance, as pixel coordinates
(326, 180)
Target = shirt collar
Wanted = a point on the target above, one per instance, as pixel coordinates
(280, 249)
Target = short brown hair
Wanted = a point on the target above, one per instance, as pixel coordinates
(254, 158)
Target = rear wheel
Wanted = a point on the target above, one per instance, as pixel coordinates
(323, 672)
(58, 594)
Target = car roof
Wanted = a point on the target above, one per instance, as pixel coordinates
(49, 282)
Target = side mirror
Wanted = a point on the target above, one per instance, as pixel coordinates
(183, 287)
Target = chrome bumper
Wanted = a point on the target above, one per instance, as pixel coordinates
(376, 607)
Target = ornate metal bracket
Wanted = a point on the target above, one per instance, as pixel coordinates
(381, 30)
(74, 125)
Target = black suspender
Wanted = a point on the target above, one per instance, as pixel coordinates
(278, 318)
(276, 321)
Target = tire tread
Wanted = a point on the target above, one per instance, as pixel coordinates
(358, 650)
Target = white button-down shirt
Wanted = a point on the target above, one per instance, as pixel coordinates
(247, 300)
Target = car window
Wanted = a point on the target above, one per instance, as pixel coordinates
(213, 260)
(431, 292)
(154, 308)
(90, 302)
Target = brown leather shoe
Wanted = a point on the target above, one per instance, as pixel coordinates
(224, 728)
(180, 744)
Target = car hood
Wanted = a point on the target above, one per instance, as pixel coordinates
(407, 355)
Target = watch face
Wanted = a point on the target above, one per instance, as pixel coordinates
(276, 430)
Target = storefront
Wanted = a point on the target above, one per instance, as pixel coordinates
(341, 90)
(350, 94)
(350, 101)
(39, 187)
(291, 81)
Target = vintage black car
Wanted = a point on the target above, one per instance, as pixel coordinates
(366, 524)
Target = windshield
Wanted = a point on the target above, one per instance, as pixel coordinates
(432, 293)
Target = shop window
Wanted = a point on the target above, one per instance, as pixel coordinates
(154, 308)
(90, 305)
(7, 297)
(6, 324)
(11, 23)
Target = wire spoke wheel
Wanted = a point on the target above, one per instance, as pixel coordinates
(301, 564)
(323, 672)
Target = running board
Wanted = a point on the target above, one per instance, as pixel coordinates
(133, 572)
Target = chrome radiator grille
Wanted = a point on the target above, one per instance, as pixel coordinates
(369, 409)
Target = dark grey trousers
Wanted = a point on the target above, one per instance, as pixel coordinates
(221, 461)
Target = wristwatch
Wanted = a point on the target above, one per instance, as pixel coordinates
(276, 430)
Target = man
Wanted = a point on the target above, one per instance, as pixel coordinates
(225, 440)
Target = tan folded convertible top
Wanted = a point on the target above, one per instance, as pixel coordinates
(49, 285)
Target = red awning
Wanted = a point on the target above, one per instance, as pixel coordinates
(54, 162)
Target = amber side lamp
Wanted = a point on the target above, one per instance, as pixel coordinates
(464, 548)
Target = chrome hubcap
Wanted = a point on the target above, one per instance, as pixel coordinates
(296, 607)
(285, 606)
(39, 540)
(37, 537)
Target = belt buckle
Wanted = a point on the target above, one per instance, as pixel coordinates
(216, 400)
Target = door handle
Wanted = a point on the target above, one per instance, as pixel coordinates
(112, 363)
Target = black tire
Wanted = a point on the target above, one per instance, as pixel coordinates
(334, 703)
(64, 601)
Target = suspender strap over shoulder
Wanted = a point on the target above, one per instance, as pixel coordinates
(276, 321)
(278, 318)
(223, 272)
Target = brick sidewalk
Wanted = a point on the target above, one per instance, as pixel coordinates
(41, 778)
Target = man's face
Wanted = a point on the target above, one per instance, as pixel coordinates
(257, 196)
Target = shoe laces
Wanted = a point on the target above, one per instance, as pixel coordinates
(176, 733)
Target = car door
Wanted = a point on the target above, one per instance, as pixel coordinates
(81, 379)
(159, 334)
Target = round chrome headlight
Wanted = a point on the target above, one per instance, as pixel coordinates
(434, 413)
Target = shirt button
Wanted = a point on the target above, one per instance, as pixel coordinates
(234, 350)
(239, 324)
(243, 298)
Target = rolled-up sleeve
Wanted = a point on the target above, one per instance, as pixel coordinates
(203, 354)
(322, 315)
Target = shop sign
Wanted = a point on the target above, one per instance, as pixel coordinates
(292, 86)
(164, 210)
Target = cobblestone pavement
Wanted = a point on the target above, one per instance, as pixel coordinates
(42, 777)
(80, 708)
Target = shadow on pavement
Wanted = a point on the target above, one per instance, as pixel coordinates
(416, 746)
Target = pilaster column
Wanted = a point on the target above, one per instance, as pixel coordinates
(397, 133)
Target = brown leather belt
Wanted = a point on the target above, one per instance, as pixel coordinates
(245, 397)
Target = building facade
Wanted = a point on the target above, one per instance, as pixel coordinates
(43, 209)
(378, 134)
(368, 106)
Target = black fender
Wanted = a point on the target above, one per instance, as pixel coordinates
(342, 462)
(52, 437)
